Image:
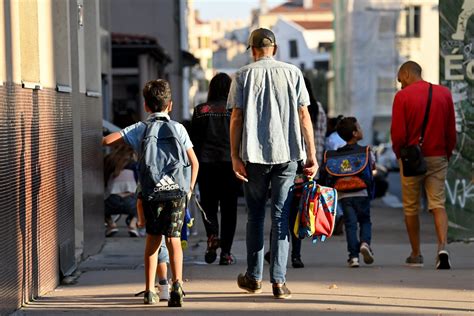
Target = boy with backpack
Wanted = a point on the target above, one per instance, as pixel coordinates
(349, 170)
(168, 169)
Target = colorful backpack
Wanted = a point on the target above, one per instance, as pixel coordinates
(316, 211)
(348, 169)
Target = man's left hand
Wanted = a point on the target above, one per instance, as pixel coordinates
(311, 167)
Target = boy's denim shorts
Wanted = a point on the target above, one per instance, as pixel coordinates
(165, 218)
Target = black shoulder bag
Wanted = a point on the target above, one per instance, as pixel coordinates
(413, 162)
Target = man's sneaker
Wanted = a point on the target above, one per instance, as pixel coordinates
(176, 295)
(414, 261)
(367, 253)
(150, 297)
(246, 283)
(212, 244)
(280, 291)
(164, 293)
(297, 263)
(353, 262)
(442, 260)
(227, 259)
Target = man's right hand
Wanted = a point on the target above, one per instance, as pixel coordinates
(239, 169)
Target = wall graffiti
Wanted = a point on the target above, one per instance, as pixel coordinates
(457, 73)
(460, 193)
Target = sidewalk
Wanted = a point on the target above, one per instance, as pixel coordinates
(324, 287)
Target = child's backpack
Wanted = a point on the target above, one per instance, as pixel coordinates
(348, 169)
(316, 211)
(163, 165)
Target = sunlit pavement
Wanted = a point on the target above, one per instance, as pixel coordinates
(326, 285)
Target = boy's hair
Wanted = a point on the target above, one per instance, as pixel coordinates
(346, 128)
(157, 95)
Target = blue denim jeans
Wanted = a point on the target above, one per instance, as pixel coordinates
(280, 177)
(356, 210)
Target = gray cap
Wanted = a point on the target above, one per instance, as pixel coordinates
(261, 38)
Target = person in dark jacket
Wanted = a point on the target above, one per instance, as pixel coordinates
(217, 184)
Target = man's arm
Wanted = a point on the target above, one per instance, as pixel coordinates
(236, 127)
(398, 128)
(311, 166)
(114, 138)
(194, 166)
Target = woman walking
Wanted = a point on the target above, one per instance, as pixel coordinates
(218, 185)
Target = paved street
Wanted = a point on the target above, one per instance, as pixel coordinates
(324, 287)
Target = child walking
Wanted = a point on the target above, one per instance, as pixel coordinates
(163, 173)
(349, 170)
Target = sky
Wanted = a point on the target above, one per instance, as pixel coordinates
(229, 9)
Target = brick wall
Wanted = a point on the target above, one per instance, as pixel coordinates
(37, 192)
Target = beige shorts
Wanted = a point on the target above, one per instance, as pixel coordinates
(433, 182)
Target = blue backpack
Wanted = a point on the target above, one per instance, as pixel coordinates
(348, 169)
(163, 165)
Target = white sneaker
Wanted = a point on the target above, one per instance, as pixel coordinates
(164, 294)
(353, 262)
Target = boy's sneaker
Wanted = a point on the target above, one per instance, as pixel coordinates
(353, 262)
(213, 243)
(176, 295)
(367, 253)
(164, 293)
(281, 291)
(414, 261)
(297, 263)
(111, 231)
(227, 259)
(150, 298)
(249, 285)
(442, 260)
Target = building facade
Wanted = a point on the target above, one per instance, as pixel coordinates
(365, 63)
(51, 201)
(164, 21)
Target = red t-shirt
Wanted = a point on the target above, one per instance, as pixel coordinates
(408, 112)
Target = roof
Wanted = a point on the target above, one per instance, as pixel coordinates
(127, 46)
(296, 6)
(315, 25)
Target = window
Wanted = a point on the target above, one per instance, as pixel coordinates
(324, 47)
(412, 21)
(293, 48)
(321, 65)
(385, 91)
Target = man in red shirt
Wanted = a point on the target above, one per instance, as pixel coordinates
(408, 112)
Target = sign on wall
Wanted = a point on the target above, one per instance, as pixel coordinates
(457, 73)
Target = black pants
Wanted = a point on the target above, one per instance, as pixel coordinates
(218, 186)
